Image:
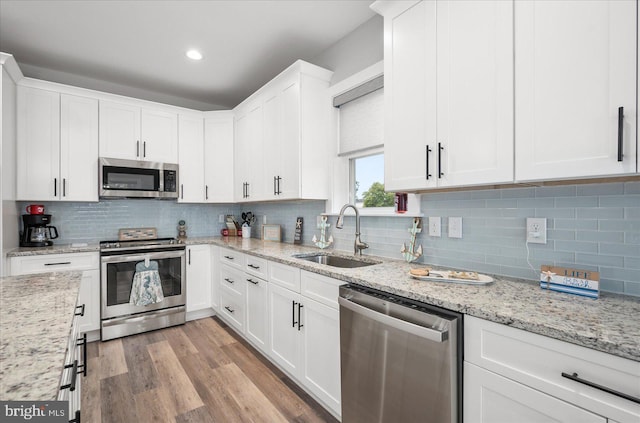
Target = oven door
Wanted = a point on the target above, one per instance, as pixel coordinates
(117, 274)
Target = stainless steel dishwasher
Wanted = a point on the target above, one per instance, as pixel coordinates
(401, 360)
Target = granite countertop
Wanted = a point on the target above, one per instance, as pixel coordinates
(36, 313)
(54, 249)
(610, 324)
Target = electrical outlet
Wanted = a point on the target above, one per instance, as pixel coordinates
(435, 228)
(536, 230)
(221, 218)
(455, 227)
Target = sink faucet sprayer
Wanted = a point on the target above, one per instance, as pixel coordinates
(358, 245)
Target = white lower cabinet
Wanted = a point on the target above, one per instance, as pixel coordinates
(513, 375)
(233, 296)
(257, 316)
(89, 295)
(198, 280)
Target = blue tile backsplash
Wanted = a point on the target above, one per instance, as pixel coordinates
(592, 226)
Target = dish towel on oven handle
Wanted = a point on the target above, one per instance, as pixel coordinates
(146, 287)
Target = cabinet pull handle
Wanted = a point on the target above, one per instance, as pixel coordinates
(138, 148)
(74, 374)
(620, 131)
(55, 187)
(576, 378)
(228, 280)
(427, 174)
(229, 309)
(253, 266)
(144, 149)
(440, 148)
(77, 418)
(189, 257)
(228, 257)
(247, 190)
(81, 313)
(252, 281)
(206, 192)
(82, 342)
(299, 316)
(64, 187)
(57, 264)
(275, 190)
(182, 191)
(293, 314)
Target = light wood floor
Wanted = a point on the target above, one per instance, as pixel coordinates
(199, 372)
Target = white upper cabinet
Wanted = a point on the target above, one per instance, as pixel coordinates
(135, 133)
(218, 157)
(190, 158)
(284, 140)
(448, 93)
(575, 68)
(57, 151)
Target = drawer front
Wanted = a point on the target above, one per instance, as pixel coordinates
(285, 276)
(320, 288)
(54, 263)
(256, 266)
(232, 308)
(539, 361)
(233, 279)
(232, 258)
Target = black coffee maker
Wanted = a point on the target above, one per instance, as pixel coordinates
(37, 232)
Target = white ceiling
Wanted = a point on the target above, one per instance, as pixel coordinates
(139, 46)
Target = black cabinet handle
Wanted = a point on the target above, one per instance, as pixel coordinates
(189, 257)
(74, 374)
(57, 264)
(55, 187)
(138, 148)
(275, 191)
(277, 180)
(247, 190)
(144, 149)
(620, 131)
(440, 148)
(293, 314)
(206, 192)
(576, 378)
(64, 187)
(253, 266)
(182, 191)
(299, 315)
(82, 342)
(81, 313)
(77, 419)
(427, 174)
(228, 280)
(228, 257)
(229, 309)
(252, 281)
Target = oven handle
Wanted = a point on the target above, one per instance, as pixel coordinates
(142, 256)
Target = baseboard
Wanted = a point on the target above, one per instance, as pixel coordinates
(200, 314)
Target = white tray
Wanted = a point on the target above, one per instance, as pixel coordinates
(443, 276)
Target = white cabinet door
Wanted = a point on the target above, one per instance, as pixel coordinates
(575, 67)
(474, 93)
(321, 351)
(285, 344)
(120, 131)
(89, 295)
(38, 149)
(159, 136)
(248, 159)
(257, 317)
(198, 277)
(218, 157)
(190, 159)
(288, 148)
(272, 140)
(78, 148)
(490, 398)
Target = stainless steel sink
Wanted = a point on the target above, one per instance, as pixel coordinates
(336, 261)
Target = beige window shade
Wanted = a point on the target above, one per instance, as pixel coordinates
(362, 123)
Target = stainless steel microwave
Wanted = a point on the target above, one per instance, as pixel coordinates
(121, 178)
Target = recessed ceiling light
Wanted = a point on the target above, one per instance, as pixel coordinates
(194, 55)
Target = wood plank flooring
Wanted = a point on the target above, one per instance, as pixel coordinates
(199, 372)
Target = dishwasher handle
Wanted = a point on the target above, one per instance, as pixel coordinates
(412, 328)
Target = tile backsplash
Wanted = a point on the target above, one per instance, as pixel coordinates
(593, 226)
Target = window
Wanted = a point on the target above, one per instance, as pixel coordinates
(367, 182)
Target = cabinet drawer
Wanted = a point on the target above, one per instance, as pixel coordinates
(256, 266)
(539, 361)
(285, 276)
(232, 307)
(320, 288)
(232, 258)
(232, 279)
(54, 263)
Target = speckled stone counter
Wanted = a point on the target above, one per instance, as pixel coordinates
(610, 323)
(54, 249)
(36, 313)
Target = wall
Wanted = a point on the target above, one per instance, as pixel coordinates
(594, 227)
(356, 51)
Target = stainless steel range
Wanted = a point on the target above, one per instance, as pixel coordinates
(142, 286)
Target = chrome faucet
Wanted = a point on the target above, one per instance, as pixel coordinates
(358, 245)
